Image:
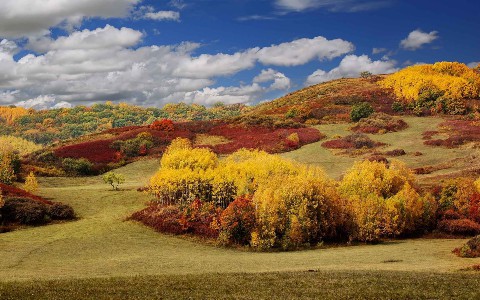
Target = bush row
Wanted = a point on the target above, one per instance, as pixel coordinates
(257, 199)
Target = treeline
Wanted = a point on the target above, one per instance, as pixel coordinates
(47, 126)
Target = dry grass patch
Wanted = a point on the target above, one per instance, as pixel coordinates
(210, 140)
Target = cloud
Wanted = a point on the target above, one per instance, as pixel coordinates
(227, 95)
(280, 81)
(100, 38)
(178, 4)
(148, 12)
(417, 38)
(242, 94)
(8, 47)
(352, 66)
(43, 102)
(108, 64)
(23, 18)
(301, 51)
(163, 15)
(331, 5)
(473, 64)
(379, 50)
(255, 18)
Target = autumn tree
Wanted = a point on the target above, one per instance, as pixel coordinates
(113, 179)
(383, 201)
(7, 172)
(31, 183)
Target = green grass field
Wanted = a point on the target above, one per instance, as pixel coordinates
(103, 256)
(409, 139)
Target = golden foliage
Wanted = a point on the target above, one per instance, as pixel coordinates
(477, 184)
(456, 194)
(31, 183)
(383, 201)
(19, 144)
(296, 209)
(455, 80)
(294, 204)
(10, 114)
(7, 173)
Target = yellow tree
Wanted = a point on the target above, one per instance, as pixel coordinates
(7, 174)
(31, 183)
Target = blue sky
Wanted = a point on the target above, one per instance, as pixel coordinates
(149, 53)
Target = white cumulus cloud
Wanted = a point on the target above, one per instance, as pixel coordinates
(301, 51)
(417, 38)
(21, 18)
(352, 66)
(99, 38)
(280, 81)
(163, 15)
(107, 64)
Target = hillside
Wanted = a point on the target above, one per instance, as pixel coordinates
(329, 101)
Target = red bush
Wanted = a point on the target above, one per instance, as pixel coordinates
(338, 144)
(98, 151)
(163, 125)
(238, 220)
(474, 211)
(459, 132)
(461, 226)
(198, 218)
(11, 191)
(271, 140)
(161, 218)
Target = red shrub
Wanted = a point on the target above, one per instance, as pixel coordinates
(353, 141)
(474, 211)
(459, 132)
(198, 218)
(368, 129)
(338, 144)
(11, 191)
(238, 220)
(462, 227)
(161, 218)
(271, 140)
(163, 125)
(451, 215)
(471, 249)
(396, 152)
(427, 135)
(98, 151)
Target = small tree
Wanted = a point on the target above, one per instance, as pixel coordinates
(31, 183)
(113, 179)
(7, 173)
(361, 110)
(365, 74)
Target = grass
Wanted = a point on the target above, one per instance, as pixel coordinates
(210, 140)
(287, 285)
(103, 256)
(409, 139)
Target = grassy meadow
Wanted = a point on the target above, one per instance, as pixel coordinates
(103, 256)
(409, 139)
